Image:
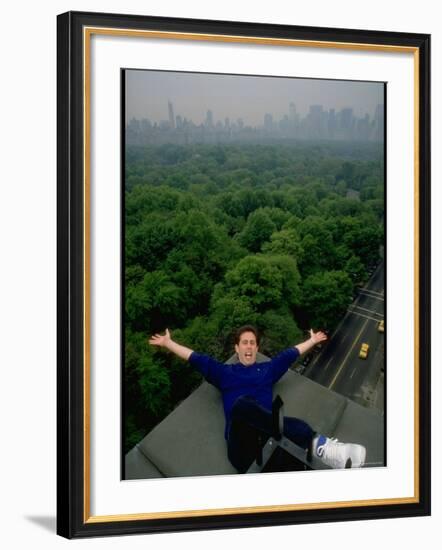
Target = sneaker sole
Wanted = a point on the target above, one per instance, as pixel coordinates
(359, 460)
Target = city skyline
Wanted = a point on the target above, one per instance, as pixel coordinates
(149, 95)
(317, 124)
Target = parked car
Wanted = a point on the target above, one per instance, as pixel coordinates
(381, 326)
(300, 369)
(364, 351)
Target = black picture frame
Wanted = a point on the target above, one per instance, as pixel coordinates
(73, 252)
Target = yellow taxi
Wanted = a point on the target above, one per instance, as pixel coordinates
(381, 326)
(364, 351)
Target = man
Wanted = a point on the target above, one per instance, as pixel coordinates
(246, 389)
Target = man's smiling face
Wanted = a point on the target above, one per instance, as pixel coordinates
(247, 348)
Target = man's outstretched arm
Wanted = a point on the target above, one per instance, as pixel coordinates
(165, 341)
(207, 366)
(315, 338)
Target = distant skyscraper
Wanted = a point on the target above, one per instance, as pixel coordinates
(363, 128)
(268, 121)
(316, 121)
(146, 125)
(347, 119)
(134, 125)
(332, 123)
(284, 123)
(378, 123)
(209, 119)
(171, 115)
(292, 112)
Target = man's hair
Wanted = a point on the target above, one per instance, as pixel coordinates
(246, 328)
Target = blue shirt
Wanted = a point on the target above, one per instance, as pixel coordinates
(237, 380)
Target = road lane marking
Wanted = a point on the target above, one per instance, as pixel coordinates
(351, 375)
(369, 310)
(328, 363)
(364, 316)
(369, 290)
(364, 293)
(348, 355)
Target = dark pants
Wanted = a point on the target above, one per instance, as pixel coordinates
(251, 425)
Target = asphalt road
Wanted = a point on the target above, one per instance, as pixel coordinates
(338, 366)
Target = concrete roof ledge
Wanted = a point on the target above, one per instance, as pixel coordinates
(190, 440)
(138, 466)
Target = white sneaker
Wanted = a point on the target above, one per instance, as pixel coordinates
(339, 455)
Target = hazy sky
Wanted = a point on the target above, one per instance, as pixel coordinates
(248, 97)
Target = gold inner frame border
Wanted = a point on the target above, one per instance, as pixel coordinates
(88, 32)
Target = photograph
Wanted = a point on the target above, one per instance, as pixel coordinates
(254, 274)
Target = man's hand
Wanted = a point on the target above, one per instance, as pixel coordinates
(165, 341)
(317, 337)
(161, 340)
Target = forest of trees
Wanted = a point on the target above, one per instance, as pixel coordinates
(275, 235)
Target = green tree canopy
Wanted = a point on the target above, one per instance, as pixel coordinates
(262, 281)
(285, 242)
(257, 231)
(325, 298)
